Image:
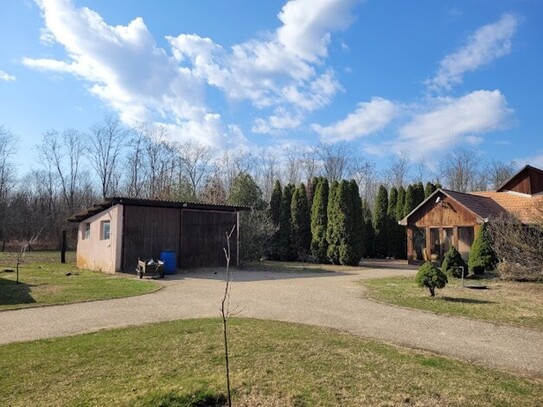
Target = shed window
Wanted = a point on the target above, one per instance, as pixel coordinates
(104, 229)
(86, 231)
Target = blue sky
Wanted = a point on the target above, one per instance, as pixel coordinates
(382, 76)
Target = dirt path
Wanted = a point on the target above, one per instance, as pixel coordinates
(325, 299)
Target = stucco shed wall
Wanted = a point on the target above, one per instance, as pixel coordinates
(97, 254)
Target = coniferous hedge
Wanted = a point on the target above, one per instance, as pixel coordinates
(380, 222)
(369, 232)
(358, 221)
(319, 221)
(286, 248)
(334, 220)
(393, 230)
(300, 222)
(275, 215)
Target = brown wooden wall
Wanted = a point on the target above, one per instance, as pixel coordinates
(447, 213)
(197, 236)
(529, 181)
(147, 231)
(203, 238)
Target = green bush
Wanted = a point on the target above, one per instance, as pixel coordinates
(481, 256)
(431, 277)
(452, 263)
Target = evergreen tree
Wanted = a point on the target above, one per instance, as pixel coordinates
(286, 251)
(392, 225)
(311, 188)
(402, 234)
(358, 227)
(380, 222)
(246, 192)
(429, 189)
(419, 193)
(275, 215)
(400, 203)
(319, 221)
(453, 264)
(334, 219)
(300, 222)
(409, 201)
(369, 232)
(275, 203)
(438, 185)
(481, 256)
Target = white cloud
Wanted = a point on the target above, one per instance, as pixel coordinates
(276, 123)
(284, 70)
(454, 121)
(488, 43)
(368, 118)
(4, 76)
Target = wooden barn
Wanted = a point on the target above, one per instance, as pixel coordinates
(113, 234)
(448, 218)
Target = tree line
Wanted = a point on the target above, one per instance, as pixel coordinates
(76, 169)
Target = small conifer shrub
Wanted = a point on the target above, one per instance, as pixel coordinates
(453, 264)
(431, 277)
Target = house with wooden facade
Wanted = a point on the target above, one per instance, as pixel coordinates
(448, 217)
(113, 234)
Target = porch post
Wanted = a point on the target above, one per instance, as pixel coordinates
(409, 244)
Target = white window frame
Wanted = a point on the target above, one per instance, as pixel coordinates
(105, 230)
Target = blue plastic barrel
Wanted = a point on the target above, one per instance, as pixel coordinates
(170, 261)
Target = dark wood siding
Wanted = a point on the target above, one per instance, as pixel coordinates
(147, 231)
(203, 238)
(197, 236)
(529, 181)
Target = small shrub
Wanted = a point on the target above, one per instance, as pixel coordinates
(481, 256)
(431, 277)
(452, 263)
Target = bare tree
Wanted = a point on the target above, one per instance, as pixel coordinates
(214, 191)
(497, 172)
(398, 169)
(106, 143)
(194, 163)
(460, 170)
(364, 173)
(309, 162)
(62, 154)
(293, 166)
(8, 144)
(135, 161)
(335, 160)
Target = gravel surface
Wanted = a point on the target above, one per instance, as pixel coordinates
(318, 298)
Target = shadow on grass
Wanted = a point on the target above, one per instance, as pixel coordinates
(466, 300)
(14, 294)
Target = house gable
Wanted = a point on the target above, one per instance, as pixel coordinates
(528, 181)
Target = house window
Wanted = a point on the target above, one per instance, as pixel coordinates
(104, 229)
(86, 231)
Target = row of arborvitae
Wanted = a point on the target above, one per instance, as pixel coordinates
(482, 258)
(332, 225)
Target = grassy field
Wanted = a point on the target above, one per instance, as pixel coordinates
(296, 267)
(503, 302)
(272, 364)
(45, 281)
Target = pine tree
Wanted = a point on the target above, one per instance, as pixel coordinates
(453, 264)
(275, 215)
(392, 224)
(369, 232)
(347, 252)
(334, 219)
(419, 193)
(358, 227)
(311, 188)
(409, 201)
(402, 234)
(275, 203)
(245, 191)
(300, 222)
(380, 222)
(481, 256)
(319, 221)
(286, 251)
(429, 189)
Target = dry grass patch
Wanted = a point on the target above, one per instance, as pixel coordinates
(297, 267)
(503, 302)
(273, 364)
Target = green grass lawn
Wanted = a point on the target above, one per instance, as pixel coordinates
(503, 302)
(296, 267)
(272, 364)
(45, 281)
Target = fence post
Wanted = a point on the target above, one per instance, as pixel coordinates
(63, 248)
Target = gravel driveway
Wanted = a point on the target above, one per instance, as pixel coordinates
(318, 298)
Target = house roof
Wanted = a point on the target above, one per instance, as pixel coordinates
(526, 169)
(109, 202)
(525, 207)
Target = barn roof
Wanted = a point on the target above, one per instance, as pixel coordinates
(533, 176)
(109, 202)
